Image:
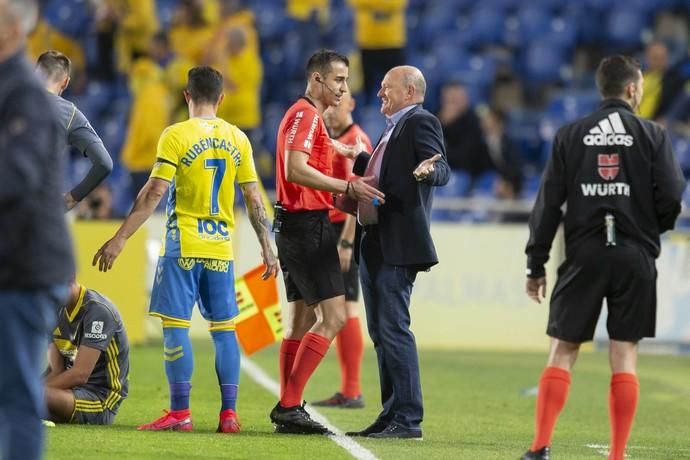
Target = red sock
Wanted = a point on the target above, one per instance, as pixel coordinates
(553, 393)
(288, 351)
(350, 346)
(625, 390)
(311, 351)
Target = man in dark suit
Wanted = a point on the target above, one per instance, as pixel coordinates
(395, 243)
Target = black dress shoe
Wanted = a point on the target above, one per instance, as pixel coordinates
(295, 420)
(395, 431)
(375, 427)
(542, 454)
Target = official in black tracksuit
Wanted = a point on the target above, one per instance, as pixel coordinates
(614, 167)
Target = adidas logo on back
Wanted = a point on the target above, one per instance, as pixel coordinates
(609, 131)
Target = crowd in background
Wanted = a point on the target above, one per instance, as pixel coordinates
(503, 75)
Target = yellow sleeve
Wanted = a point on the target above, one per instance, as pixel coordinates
(167, 156)
(246, 172)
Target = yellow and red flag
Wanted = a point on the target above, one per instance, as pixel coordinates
(259, 323)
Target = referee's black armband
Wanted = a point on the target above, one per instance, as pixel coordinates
(535, 272)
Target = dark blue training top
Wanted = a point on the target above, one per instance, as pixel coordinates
(35, 246)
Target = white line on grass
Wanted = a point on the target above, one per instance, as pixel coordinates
(353, 448)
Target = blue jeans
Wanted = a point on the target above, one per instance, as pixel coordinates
(28, 318)
(386, 290)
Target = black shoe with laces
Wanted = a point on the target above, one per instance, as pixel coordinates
(341, 401)
(295, 420)
(542, 454)
(395, 431)
(376, 427)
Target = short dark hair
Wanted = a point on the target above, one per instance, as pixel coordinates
(54, 65)
(615, 73)
(204, 84)
(322, 59)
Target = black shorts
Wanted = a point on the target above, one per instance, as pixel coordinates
(350, 277)
(309, 257)
(624, 275)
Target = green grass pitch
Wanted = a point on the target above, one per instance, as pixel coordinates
(474, 409)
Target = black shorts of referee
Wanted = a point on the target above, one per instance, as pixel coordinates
(309, 257)
(350, 277)
(625, 275)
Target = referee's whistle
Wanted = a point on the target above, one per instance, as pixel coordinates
(610, 224)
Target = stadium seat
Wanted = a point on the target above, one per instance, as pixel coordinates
(531, 23)
(625, 26)
(542, 63)
(272, 115)
(165, 11)
(71, 17)
(487, 24)
(681, 148)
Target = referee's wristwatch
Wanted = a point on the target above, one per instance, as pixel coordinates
(345, 244)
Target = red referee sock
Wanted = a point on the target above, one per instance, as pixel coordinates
(623, 396)
(311, 351)
(288, 351)
(350, 346)
(553, 393)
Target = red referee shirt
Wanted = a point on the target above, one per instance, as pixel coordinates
(302, 129)
(342, 166)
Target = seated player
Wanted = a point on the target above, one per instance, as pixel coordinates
(89, 360)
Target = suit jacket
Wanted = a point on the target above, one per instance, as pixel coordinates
(405, 217)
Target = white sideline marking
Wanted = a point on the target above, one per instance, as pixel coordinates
(352, 447)
(603, 449)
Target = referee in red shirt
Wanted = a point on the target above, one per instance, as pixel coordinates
(305, 239)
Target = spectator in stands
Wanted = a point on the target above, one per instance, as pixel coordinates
(381, 37)
(656, 57)
(243, 71)
(191, 33)
(462, 131)
(673, 82)
(98, 205)
(311, 18)
(127, 26)
(503, 154)
(149, 115)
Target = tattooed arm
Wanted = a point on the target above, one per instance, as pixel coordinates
(259, 220)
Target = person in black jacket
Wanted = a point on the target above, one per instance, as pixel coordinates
(35, 249)
(623, 187)
(408, 161)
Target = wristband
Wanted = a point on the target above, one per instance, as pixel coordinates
(345, 244)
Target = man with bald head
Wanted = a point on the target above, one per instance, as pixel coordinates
(394, 243)
(35, 248)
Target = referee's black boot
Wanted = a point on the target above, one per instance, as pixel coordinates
(542, 454)
(376, 427)
(295, 420)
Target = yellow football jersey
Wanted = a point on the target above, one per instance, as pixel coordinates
(202, 158)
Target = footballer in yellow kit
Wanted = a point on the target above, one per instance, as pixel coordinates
(201, 158)
(198, 162)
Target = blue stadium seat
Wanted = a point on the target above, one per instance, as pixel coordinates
(272, 115)
(487, 24)
(458, 185)
(440, 18)
(563, 31)
(71, 17)
(165, 11)
(543, 63)
(533, 23)
(625, 26)
(372, 121)
(484, 184)
(681, 148)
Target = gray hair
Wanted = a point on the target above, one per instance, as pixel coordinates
(25, 12)
(412, 76)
